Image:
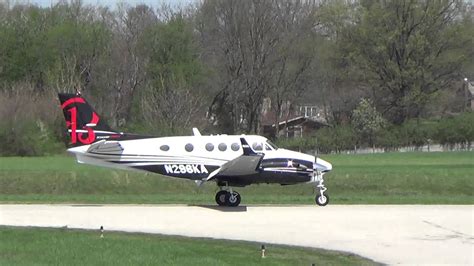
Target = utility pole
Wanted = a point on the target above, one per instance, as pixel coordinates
(467, 103)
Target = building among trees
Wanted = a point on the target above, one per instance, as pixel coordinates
(295, 121)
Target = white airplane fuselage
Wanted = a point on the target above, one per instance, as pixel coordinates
(229, 160)
(196, 157)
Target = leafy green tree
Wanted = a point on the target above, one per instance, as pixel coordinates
(171, 100)
(76, 47)
(23, 57)
(408, 50)
(173, 57)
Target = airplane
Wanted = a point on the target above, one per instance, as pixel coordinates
(229, 160)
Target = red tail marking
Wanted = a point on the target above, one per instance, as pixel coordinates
(90, 132)
(72, 100)
(72, 124)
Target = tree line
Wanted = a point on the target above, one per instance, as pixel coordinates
(213, 63)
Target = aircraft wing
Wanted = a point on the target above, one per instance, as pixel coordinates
(246, 164)
(106, 147)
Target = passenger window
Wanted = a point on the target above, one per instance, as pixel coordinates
(164, 147)
(189, 147)
(222, 147)
(267, 147)
(257, 146)
(209, 147)
(235, 146)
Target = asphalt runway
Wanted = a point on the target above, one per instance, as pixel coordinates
(391, 234)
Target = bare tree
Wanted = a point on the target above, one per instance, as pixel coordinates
(292, 65)
(171, 111)
(125, 70)
(253, 48)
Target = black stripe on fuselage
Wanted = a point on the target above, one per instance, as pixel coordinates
(283, 162)
(188, 171)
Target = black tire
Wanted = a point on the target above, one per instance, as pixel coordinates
(232, 201)
(221, 198)
(322, 200)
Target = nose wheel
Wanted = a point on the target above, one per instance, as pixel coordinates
(322, 199)
(228, 198)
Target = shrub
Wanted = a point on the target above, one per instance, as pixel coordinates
(28, 126)
(456, 130)
(326, 140)
(389, 138)
(416, 132)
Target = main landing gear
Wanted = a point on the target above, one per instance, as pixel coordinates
(228, 198)
(321, 199)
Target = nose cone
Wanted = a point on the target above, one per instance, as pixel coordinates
(322, 165)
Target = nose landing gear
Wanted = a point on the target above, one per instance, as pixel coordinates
(228, 198)
(321, 199)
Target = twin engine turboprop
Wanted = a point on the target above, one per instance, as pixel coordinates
(229, 160)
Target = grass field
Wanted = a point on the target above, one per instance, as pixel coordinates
(34, 246)
(391, 178)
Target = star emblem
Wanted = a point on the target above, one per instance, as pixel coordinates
(290, 163)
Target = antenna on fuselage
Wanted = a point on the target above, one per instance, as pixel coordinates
(196, 132)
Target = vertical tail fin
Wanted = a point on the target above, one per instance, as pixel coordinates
(84, 125)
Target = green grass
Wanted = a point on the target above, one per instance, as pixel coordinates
(34, 246)
(391, 178)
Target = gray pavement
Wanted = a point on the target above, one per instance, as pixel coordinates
(391, 234)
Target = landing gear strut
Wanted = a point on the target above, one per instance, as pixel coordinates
(321, 199)
(228, 198)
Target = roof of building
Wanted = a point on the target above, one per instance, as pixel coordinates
(301, 120)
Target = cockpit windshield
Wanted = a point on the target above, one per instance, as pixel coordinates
(272, 145)
(267, 145)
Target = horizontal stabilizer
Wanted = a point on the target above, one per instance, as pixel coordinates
(106, 147)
